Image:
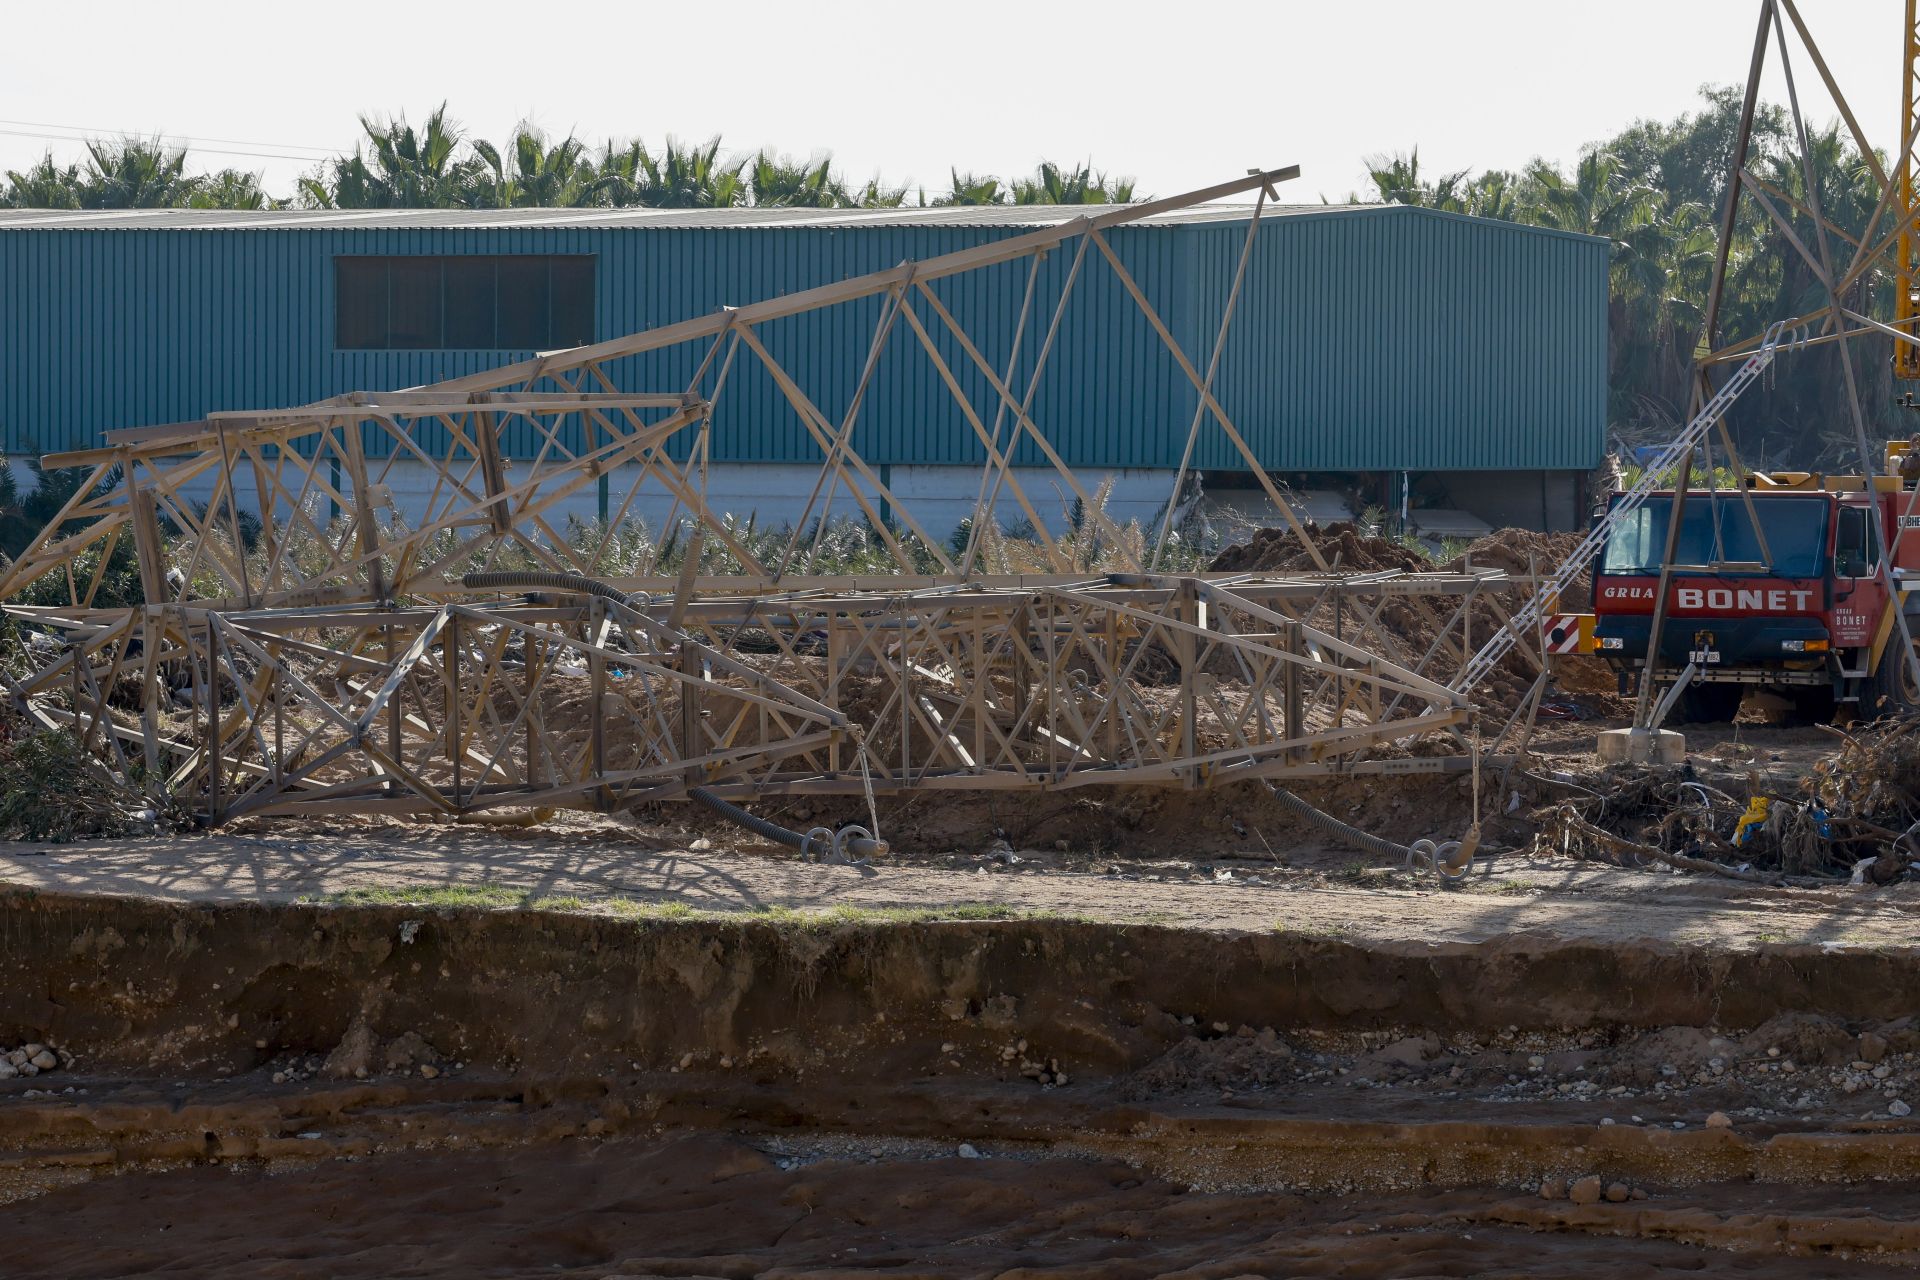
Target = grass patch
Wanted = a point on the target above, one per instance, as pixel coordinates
(488, 896)
(1364, 876)
(629, 909)
(484, 895)
(1333, 929)
(1511, 887)
(846, 915)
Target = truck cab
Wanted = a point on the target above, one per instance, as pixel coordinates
(1796, 608)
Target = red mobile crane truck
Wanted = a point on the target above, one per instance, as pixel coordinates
(1802, 613)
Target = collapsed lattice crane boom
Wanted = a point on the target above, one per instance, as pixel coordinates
(336, 660)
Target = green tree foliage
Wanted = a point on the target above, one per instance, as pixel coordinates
(130, 173)
(44, 186)
(679, 176)
(532, 172)
(229, 189)
(974, 188)
(398, 167)
(435, 165)
(1051, 184)
(802, 184)
(25, 512)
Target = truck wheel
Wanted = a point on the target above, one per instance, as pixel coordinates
(1890, 691)
(1710, 703)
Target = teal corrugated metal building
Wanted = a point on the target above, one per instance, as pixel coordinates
(1367, 338)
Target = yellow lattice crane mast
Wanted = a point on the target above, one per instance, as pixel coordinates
(1906, 301)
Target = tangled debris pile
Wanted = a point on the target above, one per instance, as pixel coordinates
(1856, 816)
(1874, 775)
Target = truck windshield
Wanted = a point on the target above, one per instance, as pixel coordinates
(1796, 529)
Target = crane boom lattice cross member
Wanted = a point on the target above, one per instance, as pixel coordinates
(1547, 596)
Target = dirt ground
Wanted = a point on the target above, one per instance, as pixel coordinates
(1511, 894)
(1230, 860)
(710, 1206)
(1113, 1035)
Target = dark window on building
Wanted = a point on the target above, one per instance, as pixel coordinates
(360, 302)
(523, 306)
(505, 302)
(415, 301)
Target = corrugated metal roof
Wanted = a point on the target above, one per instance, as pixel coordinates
(1025, 216)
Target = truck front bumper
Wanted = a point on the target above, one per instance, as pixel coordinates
(1769, 643)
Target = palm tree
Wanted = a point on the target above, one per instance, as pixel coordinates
(228, 189)
(44, 186)
(403, 168)
(618, 175)
(134, 174)
(875, 196)
(808, 184)
(973, 188)
(681, 177)
(541, 175)
(1051, 184)
(692, 176)
(1492, 195)
(1656, 316)
(1768, 279)
(1598, 199)
(1397, 180)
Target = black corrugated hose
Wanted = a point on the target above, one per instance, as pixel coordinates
(1328, 825)
(846, 844)
(1444, 860)
(819, 843)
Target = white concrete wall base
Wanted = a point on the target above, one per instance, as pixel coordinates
(775, 495)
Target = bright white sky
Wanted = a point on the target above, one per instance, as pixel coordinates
(1178, 93)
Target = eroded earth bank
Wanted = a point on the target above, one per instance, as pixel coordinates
(227, 1089)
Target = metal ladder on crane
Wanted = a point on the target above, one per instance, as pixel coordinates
(1527, 617)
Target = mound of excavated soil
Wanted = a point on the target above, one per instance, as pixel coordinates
(1346, 548)
(1522, 551)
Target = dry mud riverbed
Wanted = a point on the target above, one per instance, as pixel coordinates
(301, 1089)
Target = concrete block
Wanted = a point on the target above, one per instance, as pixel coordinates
(1641, 746)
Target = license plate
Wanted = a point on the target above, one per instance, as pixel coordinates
(1703, 657)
